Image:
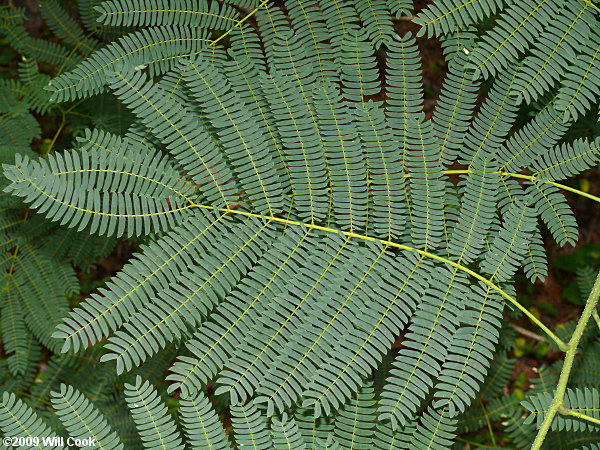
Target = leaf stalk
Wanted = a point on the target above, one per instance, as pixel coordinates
(561, 345)
(571, 412)
(557, 404)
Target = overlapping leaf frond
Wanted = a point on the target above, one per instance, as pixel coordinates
(210, 434)
(454, 108)
(417, 365)
(107, 192)
(302, 144)
(12, 16)
(458, 42)
(436, 430)
(387, 213)
(536, 266)
(555, 40)
(271, 22)
(400, 7)
(330, 316)
(82, 419)
(376, 21)
(567, 159)
(313, 34)
(66, 28)
(149, 273)
(516, 30)
(387, 438)
(158, 47)
(577, 92)
(152, 420)
(493, 122)
(427, 187)
(443, 17)
(251, 427)
(245, 80)
(566, 33)
(473, 342)
(239, 134)
(314, 429)
(404, 89)
(344, 159)
(354, 425)
(255, 358)
(18, 419)
(226, 328)
(377, 322)
(89, 18)
(195, 13)
(532, 142)
(191, 296)
(285, 434)
(555, 212)
(342, 21)
(471, 350)
(180, 131)
(359, 76)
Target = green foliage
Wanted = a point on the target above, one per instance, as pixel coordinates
(354, 425)
(576, 94)
(198, 411)
(584, 400)
(81, 419)
(445, 17)
(319, 260)
(286, 435)
(517, 29)
(136, 13)
(566, 33)
(152, 420)
(18, 419)
(251, 427)
(185, 133)
(72, 186)
(66, 28)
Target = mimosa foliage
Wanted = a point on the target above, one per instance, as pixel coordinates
(297, 216)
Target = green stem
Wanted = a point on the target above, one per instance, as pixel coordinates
(489, 424)
(596, 317)
(60, 128)
(561, 345)
(574, 413)
(240, 22)
(530, 178)
(27, 394)
(589, 2)
(63, 65)
(557, 402)
(575, 191)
